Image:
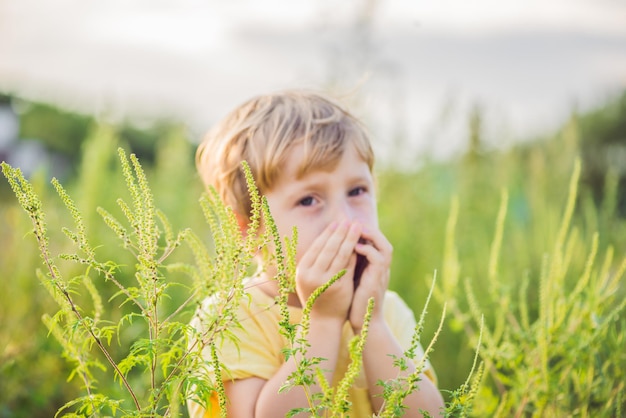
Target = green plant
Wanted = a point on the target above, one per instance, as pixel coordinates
(566, 359)
(80, 324)
(162, 363)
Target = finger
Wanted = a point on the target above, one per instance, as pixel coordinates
(335, 246)
(377, 239)
(378, 263)
(341, 258)
(371, 253)
(311, 255)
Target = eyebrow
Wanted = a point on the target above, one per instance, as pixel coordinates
(352, 179)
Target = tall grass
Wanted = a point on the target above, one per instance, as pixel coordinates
(519, 244)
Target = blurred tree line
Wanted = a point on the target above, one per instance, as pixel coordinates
(599, 136)
(603, 148)
(62, 132)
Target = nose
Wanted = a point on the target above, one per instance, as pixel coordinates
(342, 210)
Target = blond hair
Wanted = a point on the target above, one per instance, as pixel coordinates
(262, 131)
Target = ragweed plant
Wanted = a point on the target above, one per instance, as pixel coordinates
(164, 361)
(165, 353)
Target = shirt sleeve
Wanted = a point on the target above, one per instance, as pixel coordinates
(247, 350)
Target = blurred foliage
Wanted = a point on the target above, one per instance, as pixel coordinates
(603, 149)
(64, 131)
(61, 131)
(416, 208)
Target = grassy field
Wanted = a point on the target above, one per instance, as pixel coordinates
(519, 240)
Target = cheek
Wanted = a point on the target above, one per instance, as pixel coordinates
(368, 215)
(307, 234)
(305, 238)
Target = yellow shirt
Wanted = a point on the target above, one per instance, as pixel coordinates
(257, 353)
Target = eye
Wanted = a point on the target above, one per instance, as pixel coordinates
(357, 191)
(307, 201)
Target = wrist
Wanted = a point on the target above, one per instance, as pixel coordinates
(324, 334)
(376, 325)
(327, 323)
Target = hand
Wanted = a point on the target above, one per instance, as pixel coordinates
(331, 252)
(374, 280)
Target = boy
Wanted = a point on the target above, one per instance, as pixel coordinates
(313, 162)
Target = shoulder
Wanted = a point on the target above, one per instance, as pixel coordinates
(248, 341)
(399, 318)
(396, 309)
(391, 295)
(251, 306)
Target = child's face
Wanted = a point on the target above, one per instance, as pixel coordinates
(311, 203)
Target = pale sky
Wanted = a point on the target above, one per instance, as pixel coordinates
(420, 64)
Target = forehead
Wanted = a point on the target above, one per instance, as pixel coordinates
(310, 156)
(345, 165)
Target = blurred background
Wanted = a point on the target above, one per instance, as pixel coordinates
(414, 68)
(464, 100)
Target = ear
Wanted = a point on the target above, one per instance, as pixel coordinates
(243, 223)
